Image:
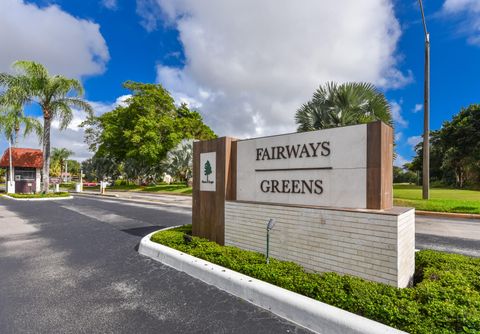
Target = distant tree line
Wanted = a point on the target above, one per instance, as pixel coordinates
(454, 151)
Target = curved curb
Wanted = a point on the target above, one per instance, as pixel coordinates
(306, 312)
(448, 214)
(39, 199)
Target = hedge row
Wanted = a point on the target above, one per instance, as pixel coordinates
(40, 195)
(445, 297)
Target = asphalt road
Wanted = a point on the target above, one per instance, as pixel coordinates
(72, 267)
(461, 236)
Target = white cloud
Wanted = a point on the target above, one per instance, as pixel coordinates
(110, 4)
(470, 24)
(398, 136)
(250, 64)
(418, 107)
(400, 161)
(65, 44)
(396, 110)
(414, 140)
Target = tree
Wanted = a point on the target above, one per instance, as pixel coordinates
(403, 176)
(455, 150)
(12, 119)
(60, 156)
(56, 95)
(336, 105)
(179, 161)
(73, 167)
(140, 134)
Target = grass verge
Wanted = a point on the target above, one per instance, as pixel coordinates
(175, 188)
(441, 199)
(49, 195)
(445, 298)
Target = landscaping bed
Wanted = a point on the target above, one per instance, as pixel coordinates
(174, 188)
(444, 299)
(49, 195)
(441, 199)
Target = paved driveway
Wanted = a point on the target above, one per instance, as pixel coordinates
(72, 267)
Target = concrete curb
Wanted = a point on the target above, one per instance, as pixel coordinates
(93, 194)
(137, 200)
(306, 312)
(448, 214)
(38, 199)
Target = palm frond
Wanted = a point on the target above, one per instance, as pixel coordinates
(334, 105)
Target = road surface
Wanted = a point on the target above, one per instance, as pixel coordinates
(71, 267)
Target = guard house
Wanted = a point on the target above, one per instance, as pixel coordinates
(26, 163)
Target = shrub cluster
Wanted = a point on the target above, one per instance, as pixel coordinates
(445, 297)
(41, 195)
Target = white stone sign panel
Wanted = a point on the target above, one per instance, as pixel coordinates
(208, 166)
(320, 168)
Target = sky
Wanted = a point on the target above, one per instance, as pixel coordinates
(248, 65)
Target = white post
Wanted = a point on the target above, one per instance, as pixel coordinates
(11, 182)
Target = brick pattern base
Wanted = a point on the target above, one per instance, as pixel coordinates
(376, 246)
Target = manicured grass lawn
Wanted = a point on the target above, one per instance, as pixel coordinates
(441, 199)
(444, 299)
(61, 194)
(176, 188)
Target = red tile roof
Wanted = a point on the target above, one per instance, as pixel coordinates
(23, 157)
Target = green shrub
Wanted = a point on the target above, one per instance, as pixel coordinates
(59, 194)
(444, 299)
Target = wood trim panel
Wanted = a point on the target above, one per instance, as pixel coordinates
(208, 208)
(379, 166)
(232, 169)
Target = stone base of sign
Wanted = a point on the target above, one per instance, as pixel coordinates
(374, 245)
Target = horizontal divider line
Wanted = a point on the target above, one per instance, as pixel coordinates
(288, 169)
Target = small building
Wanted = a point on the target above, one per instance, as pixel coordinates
(27, 164)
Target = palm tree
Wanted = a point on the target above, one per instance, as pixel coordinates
(12, 119)
(61, 156)
(56, 95)
(336, 105)
(179, 161)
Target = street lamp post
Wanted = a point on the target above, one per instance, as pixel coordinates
(426, 113)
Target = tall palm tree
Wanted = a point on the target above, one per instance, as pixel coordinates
(336, 105)
(12, 119)
(56, 95)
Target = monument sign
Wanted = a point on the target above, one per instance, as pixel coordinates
(322, 168)
(329, 192)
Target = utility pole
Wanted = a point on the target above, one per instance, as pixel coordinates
(426, 113)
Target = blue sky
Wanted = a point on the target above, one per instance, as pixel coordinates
(248, 65)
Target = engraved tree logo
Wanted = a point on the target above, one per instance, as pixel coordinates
(207, 170)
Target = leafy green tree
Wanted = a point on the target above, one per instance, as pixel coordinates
(455, 150)
(140, 134)
(12, 119)
(400, 175)
(190, 123)
(56, 95)
(336, 105)
(437, 154)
